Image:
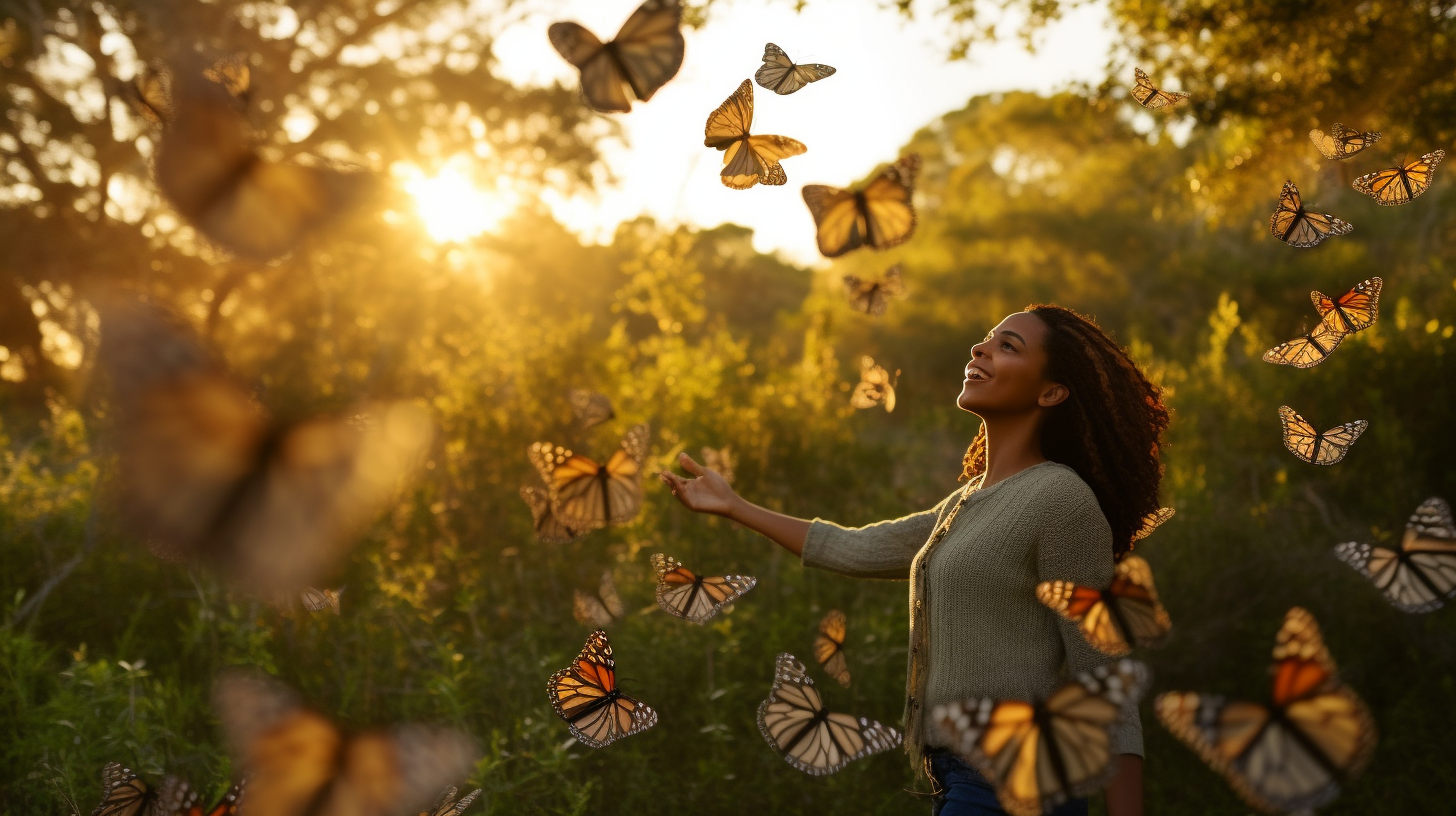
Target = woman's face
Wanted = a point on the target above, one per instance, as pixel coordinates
(1006, 371)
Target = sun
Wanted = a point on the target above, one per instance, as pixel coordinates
(453, 208)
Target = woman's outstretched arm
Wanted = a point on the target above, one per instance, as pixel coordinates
(710, 493)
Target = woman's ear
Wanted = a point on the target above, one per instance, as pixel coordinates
(1054, 394)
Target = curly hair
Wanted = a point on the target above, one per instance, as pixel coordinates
(1109, 430)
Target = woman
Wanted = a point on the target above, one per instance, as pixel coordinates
(1062, 471)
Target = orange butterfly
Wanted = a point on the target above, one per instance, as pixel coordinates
(1317, 448)
(1298, 227)
(1309, 350)
(645, 54)
(829, 646)
(1149, 96)
(747, 159)
(1153, 521)
(880, 214)
(1398, 185)
(1114, 619)
(685, 594)
(1342, 142)
(585, 694)
(1353, 311)
(586, 495)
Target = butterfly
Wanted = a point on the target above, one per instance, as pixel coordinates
(586, 495)
(829, 646)
(875, 386)
(226, 806)
(585, 694)
(1296, 226)
(1153, 521)
(317, 600)
(208, 168)
(300, 764)
(150, 92)
(590, 407)
(720, 461)
(780, 75)
(1041, 754)
(123, 793)
(1326, 448)
(1342, 142)
(646, 53)
(1420, 574)
(879, 214)
(1309, 350)
(204, 472)
(1113, 620)
(1293, 754)
(873, 296)
(232, 74)
(747, 160)
(1149, 96)
(1354, 311)
(549, 529)
(685, 594)
(808, 735)
(448, 805)
(601, 610)
(1398, 185)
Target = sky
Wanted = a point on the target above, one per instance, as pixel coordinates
(892, 79)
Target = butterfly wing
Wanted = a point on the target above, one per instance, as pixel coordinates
(1127, 613)
(684, 594)
(1420, 575)
(747, 160)
(1341, 142)
(1354, 311)
(123, 793)
(150, 92)
(226, 806)
(890, 215)
(577, 498)
(829, 646)
(797, 726)
(590, 611)
(729, 124)
(1298, 227)
(1307, 351)
(780, 75)
(1399, 185)
(1314, 447)
(585, 695)
(1153, 521)
(1149, 96)
(603, 85)
(624, 475)
(874, 387)
(838, 219)
(232, 74)
(549, 529)
(590, 407)
(650, 46)
(448, 805)
(317, 600)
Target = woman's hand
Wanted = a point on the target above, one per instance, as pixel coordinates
(708, 493)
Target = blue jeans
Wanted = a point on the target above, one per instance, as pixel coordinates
(964, 792)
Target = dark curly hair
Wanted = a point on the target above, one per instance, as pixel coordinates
(1110, 429)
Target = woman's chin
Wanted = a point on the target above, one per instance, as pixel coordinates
(966, 401)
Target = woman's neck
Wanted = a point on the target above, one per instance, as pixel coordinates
(1013, 444)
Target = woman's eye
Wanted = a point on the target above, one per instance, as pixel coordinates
(1007, 345)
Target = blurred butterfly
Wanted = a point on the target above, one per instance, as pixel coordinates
(123, 793)
(1420, 574)
(873, 296)
(685, 594)
(829, 646)
(586, 495)
(875, 386)
(1309, 350)
(720, 461)
(233, 75)
(602, 610)
(879, 214)
(1293, 754)
(590, 407)
(747, 159)
(1399, 185)
(1153, 521)
(585, 694)
(205, 473)
(1353, 311)
(1149, 96)
(208, 168)
(1113, 620)
(226, 806)
(1296, 226)
(780, 75)
(808, 735)
(1041, 754)
(150, 92)
(646, 53)
(1314, 447)
(549, 529)
(447, 805)
(317, 600)
(300, 764)
(1342, 142)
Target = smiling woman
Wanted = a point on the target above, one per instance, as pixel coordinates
(452, 207)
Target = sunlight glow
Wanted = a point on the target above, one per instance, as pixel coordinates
(453, 208)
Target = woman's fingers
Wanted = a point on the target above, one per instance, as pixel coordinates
(689, 465)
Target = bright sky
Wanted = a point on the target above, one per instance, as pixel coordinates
(892, 80)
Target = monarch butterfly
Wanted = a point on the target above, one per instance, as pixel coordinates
(585, 694)
(875, 386)
(1153, 521)
(1342, 142)
(123, 793)
(808, 735)
(1314, 447)
(879, 214)
(226, 806)
(586, 495)
(1041, 754)
(873, 296)
(780, 75)
(1113, 620)
(720, 461)
(1298, 227)
(448, 805)
(747, 160)
(1293, 754)
(601, 610)
(1149, 96)
(1420, 574)
(829, 646)
(646, 53)
(300, 764)
(685, 594)
(1309, 350)
(317, 600)
(203, 471)
(232, 74)
(590, 407)
(1398, 185)
(150, 92)
(207, 167)
(549, 529)
(1354, 311)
